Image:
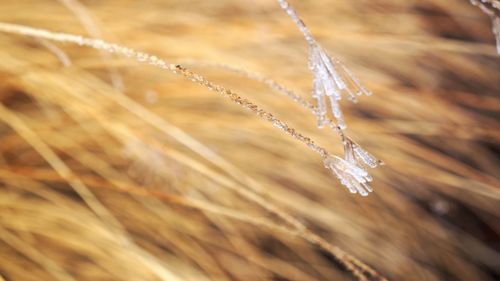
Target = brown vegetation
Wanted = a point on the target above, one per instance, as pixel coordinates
(111, 169)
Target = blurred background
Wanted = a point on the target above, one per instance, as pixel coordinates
(115, 170)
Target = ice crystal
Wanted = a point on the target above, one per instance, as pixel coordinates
(357, 155)
(351, 170)
(355, 178)
(331, 80)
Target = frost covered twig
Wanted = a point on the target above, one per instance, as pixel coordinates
(363, 157)
(331, 79)
(162, 64)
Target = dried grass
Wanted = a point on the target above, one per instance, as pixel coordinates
(158, 179)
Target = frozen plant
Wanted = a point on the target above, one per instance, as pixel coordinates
(331, 79)
(353, 152)
(348, 172)
(355, 178)
(351, 170)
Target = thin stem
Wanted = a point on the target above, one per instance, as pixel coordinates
(300, 24)
(355, 266)
(162, 64)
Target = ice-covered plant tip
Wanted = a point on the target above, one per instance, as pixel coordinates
(331, 79)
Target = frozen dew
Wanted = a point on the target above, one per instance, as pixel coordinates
(332, 79)
(358, 155)
(366, 157)
(353, 177)
(351, 170)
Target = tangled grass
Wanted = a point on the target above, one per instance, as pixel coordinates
(112, 170)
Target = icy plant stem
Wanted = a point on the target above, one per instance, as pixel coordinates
(346, 171)
(355, 266)
(330, 77)
(300, 24)
(162, 64)
(358, 152)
